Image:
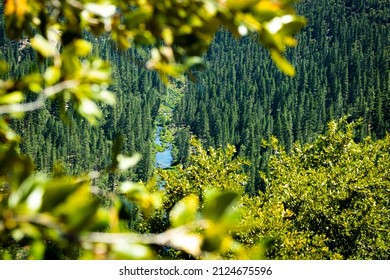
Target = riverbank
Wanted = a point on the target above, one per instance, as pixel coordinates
(164, 156)
(165, 131)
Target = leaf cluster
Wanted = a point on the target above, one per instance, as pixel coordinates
(327, 199)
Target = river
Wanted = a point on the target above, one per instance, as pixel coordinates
(163, 159)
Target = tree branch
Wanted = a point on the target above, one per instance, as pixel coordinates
(40, 102)
(180, 238)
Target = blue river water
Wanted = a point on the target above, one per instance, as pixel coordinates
(163, 159)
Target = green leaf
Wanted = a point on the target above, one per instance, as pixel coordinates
(52, 75)
(3, 67)
(134, 18)
(78, 209)
(217, 205)
(43, 46)
(193, 61)
(37, 250)
(57, 192)
(240, 5)
(265, 11)
(282, 63)
(13, 97)
(82, 47)
(121, 37)
(24, 191)
(212, 241)
(184, 211)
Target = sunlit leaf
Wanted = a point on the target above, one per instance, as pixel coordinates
(13, 97)
(130, 187)
(19, 195)
(103, 10)
(292, 24)
(89, 110)
(82, 47)
(282, 63)
(106, 96)
(125, 162)
(184, 211)
(190, 243)
(34, 200)
(43, 46)
(19, 8)
(132, 251)
(52, 75)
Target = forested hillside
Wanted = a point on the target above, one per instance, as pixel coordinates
(343, 64)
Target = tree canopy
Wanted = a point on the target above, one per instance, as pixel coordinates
(325, 200)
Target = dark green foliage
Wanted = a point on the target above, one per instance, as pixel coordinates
(182, 142)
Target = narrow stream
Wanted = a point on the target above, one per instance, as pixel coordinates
(163, 159)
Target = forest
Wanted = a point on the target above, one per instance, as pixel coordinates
(280, 139)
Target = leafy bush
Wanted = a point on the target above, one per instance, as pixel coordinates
(327, 199)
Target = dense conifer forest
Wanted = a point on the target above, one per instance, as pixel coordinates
(342, 66)
(277, 145)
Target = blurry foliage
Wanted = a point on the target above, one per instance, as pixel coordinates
(60, 216)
